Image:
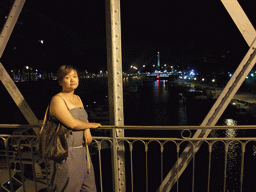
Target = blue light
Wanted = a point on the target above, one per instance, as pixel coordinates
(192, 73)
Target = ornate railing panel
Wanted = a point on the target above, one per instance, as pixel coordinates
(225, 162)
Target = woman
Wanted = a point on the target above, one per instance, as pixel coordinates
(76, 172)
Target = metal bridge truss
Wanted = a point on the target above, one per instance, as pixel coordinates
(113, 24)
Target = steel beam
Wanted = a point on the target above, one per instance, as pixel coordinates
(115, 90)
(241, 20)
(249, 34)
(10, 23)
(17, 97)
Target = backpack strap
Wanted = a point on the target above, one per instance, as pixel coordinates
(45, 117)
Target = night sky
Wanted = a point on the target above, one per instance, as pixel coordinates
(183, 31)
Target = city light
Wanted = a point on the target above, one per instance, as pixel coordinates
(133, 67)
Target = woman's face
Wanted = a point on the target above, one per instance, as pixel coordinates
(70, 82)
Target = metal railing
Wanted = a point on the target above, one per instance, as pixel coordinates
(225, 161)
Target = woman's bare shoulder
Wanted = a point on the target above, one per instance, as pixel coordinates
(57, 98)
(57, 104)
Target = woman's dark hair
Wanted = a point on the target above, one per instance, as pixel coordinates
(64, 70)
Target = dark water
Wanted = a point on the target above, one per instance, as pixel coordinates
(156, 103)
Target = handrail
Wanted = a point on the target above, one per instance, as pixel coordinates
(157, 127)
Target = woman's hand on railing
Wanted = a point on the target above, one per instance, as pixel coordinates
(95, 125)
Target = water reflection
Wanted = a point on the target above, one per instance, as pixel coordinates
(161, 100)
(182, 112)
(233, 157)
(160, 93)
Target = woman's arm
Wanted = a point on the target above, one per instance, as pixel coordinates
(59, 109)
(87, 136)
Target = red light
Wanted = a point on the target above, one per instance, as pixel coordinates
(157, 76)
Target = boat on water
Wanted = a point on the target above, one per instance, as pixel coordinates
(191, 91)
